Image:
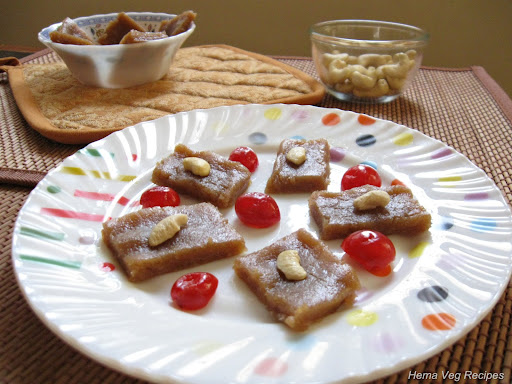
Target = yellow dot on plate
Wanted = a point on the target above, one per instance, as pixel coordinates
(207, 347)
(220, 127)
(418, 250)
(362, 318)
(448, 181)
(450, 178)
(403, 139)
(273, 113)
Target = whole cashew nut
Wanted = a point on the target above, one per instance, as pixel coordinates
(371, 200)
(364, 80)
(338, 73)
(296, 155)
(381, 88)
(328, 58)
(396, 82)
(167, 228)
(197, 166)
(400, 68)
(374, 60)
(288, 262)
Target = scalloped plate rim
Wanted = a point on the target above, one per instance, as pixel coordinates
(144, 374)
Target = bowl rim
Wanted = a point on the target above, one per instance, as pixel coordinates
(50, 28)
(422, 38)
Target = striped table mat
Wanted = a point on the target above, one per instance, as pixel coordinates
(464, 108)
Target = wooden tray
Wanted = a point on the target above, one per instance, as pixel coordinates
(62, 109)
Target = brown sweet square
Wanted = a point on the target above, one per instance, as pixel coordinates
(225, 183)
(310, 176)
(336, 217)
(330, 283)
(206, 237)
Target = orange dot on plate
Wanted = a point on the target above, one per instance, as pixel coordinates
(397, 182)
(331, 119)
(365, 120)
(382, 272)
(438, 321)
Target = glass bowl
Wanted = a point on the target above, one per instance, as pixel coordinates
(367, 61)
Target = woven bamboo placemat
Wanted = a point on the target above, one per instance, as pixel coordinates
(464, 108)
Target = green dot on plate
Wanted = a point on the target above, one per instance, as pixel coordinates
(53, 189)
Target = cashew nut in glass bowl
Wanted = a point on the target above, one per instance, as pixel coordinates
(367, 75)
(365, 60)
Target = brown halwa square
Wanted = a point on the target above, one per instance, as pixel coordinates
(225, 183)
(336, 217)
(330, 282)
(310, 176)
(206, 237)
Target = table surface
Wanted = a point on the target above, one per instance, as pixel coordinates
(463, 107)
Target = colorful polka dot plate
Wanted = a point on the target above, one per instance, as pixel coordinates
(443, 282)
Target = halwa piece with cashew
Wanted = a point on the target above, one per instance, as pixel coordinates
(300, 299)
(300, 166)
(153, 241)
(337, 214)
(204, 175)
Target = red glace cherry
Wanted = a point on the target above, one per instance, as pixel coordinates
(194, 290)
(159, 197)
(246, 156)
(257, 210)
(359, 175)
(372, 249)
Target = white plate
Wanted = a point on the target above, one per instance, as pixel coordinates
(59, 257)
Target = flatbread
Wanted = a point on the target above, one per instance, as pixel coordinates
(59, 107)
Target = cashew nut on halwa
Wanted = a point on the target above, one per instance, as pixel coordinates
(288, 262)
(296, 155)
(367, 75)
(167, 228)
(371, 200)
(197, 166)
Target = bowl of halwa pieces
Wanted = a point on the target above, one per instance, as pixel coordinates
(119, 50)
(367, 61)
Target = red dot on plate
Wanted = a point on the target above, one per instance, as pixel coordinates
(108, 267)
(271, 367)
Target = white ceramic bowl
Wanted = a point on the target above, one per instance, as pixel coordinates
(119, 65)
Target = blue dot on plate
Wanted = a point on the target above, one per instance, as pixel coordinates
(258, 138)
(446, 223)
(298, 137)
(366, 140)
(483, 225)
(433, 294)
(302, 342)
(370, 164)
